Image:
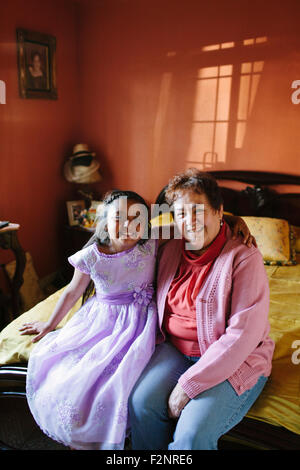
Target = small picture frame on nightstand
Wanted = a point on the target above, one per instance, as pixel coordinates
(74, 210)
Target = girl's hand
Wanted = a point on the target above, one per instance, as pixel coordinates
(239, 227)
(177, 401)
(38, 327)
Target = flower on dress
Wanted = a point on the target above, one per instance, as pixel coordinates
(147, 249)
(122, 413)
(132, 260)
(143, 295)
(99, 412)
(69, 416)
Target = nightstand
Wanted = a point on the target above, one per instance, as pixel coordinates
(9, 241)
(75, 237)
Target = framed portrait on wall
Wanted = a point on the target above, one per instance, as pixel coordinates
(36, 64)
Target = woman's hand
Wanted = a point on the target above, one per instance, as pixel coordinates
(177, 401)
(239, 227)
(38, 328)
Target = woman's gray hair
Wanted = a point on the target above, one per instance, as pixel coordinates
(197, 181)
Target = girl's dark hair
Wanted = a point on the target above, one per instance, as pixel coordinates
(101, 235)
(198, 181)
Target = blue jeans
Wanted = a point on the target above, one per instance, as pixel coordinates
(203, 420)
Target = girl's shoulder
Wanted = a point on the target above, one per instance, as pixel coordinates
(149, 247)
(84, 259)
(88, 250)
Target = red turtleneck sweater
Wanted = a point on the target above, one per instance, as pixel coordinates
(180, 310)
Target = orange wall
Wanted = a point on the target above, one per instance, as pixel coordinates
(139, 62)
(37, 135)
(127, 80)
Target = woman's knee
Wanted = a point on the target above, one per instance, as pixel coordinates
(139, 397)
(158, 379)
(194, 437)
(145, 396)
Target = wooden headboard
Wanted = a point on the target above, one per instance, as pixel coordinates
(255, 193)
(263, 194)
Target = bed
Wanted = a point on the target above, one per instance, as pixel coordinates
(270, 204)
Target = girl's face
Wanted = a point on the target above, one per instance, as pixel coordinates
(126, 222)
(197, 222)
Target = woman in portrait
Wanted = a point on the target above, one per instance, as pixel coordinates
(36, 78)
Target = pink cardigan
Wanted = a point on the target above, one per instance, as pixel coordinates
(232, 317)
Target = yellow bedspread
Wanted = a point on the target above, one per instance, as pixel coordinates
(15, 347)
(279, 403)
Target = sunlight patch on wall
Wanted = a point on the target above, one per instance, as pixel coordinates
(161, 115)
(211, 115)
(251, 41)
(220, 109)
(249, 81)
(215, 47)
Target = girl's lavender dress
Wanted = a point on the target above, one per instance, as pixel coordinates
(80, 376)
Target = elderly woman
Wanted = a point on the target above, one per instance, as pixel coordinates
(214, 353)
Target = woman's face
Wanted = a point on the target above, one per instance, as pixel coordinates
(36, 62)
(197, 222)
(126, 222)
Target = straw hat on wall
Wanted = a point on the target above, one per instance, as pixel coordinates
(81, 167)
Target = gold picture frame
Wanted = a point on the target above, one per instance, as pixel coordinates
(36, 65)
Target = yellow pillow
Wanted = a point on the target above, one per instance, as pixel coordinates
(274, 239)
(297, 237)
(167, 218)
(162, 219)
(16, 348)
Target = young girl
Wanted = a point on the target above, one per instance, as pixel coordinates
(80, 376)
